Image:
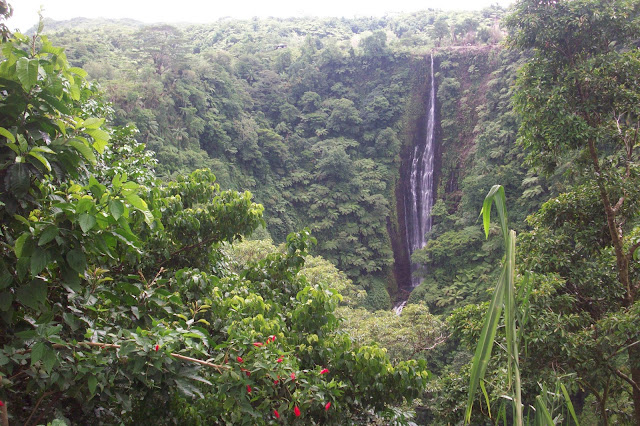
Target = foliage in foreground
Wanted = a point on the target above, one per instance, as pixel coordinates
(115, 297)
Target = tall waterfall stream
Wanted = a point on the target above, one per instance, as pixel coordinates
(419, 195)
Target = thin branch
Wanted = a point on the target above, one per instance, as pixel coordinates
(44, 395)
(626, 378)
(115, 346)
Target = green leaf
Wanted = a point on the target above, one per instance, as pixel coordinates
(40, 158)
(86, 221)
(7, 134)
(77, 260)
(93, 123)
(27, 72)
(84, 205)
(49, 233)
(188, 389)
(78, 71)
(82, 148)
(32, 294)
(116, 208)
(39, 260)
(49, 358)
(141, 205)
(20, 242)
(37, 351)
(92, 382)
(19, 179)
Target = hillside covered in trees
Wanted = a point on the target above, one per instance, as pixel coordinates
(211, 218)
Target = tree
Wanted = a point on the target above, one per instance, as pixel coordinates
(579, 96)
(115, 296)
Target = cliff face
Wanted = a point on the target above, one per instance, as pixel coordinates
(476, 148)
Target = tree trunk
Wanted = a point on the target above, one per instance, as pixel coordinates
(634, 363)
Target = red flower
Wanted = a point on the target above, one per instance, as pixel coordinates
(324, 371)
(157, 347)
(271, 339)
(239, 359)
(1, 404)
(275, 382)
(296, 411)
(247, 372)
(275, 413)
(293, 376)
(257, 344)
(279, 360)
(327, 406)
(248, 389)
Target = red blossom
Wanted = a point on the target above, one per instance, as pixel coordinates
(275, 413)
(279, 360)
(257, 344)
(327, 406)
(247, 372)
(296, 411)
(324, 371)
(248, 389)
(239, 359)
(275, 382)
(157, 347)
(1, 404)
(293, 376)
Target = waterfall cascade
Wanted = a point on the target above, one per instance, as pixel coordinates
(419, 194)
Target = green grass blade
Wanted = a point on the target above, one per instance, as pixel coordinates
(485, 344)
(569, 404)
(486, 396)
(543, 417)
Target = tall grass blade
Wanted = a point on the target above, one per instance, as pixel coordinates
(569, 404)
(543, 416)
(486, 397)
(503, 293)
(485, 344)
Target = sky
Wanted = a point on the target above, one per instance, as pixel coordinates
(25, 13)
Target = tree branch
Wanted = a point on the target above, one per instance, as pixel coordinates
(625, 378)
(115, 346)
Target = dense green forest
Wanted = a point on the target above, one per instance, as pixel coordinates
(210, 218)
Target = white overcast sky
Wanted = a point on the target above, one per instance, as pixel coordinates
(25, 12)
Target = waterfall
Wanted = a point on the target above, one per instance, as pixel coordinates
(419, 194)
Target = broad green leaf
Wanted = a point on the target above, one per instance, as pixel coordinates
(93, 123)
(86, 151)
(27, 72)
(78, 71)
(86, 221)
(32, 294)
(84, 205)
(48, 358)
(116, 208)
(136, 201)
(41, 159)
(20, 242)
(92, 382)
(7, 134)
(45, 149)
(19, 179)
(39, 260)
(55, 103)
(37, 351)
(77, 260)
